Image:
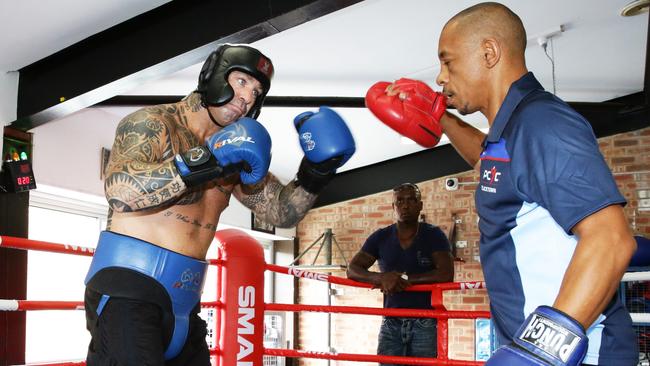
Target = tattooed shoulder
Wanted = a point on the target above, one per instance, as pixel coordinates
(138, 128)
(158, 131)
(140, 173)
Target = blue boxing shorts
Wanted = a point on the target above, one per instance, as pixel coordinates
(139, 291)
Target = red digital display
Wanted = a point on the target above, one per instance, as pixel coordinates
(22, 181)
(17, 176)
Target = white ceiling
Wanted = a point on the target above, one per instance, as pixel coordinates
(600, 56)
(34, 29)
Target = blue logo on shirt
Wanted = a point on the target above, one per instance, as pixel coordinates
(496, 151)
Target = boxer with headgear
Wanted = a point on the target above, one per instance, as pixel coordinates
(213, 79)
(170, 175)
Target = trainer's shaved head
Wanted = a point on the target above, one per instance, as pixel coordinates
(481, 52)
(491, 20)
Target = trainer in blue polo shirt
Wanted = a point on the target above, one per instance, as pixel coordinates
(555, 241)
(541, 173)
(408, 252)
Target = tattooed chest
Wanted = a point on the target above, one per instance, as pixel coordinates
(207, 206)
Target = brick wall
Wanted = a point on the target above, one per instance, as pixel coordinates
(628, 155)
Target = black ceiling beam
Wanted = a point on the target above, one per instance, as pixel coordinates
(607, 118)
(270, 101)
(169, 38)
(618, 115)
(414, 168)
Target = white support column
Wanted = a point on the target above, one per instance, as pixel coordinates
(8, 96)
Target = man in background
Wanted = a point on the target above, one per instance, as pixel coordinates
(409, 252)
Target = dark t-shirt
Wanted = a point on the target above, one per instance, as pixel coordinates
(384, 245)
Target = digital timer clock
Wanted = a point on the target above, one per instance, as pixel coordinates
(18, 176)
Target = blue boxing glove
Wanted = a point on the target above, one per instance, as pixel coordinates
(244, 147)
(548, 337)
(327, 143)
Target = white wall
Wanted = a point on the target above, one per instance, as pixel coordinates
(8, 97)
(67, 151)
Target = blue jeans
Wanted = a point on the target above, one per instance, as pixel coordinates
(416, 337)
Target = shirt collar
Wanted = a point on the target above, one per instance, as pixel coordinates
(517, 92)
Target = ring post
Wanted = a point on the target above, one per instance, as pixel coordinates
(241, 332)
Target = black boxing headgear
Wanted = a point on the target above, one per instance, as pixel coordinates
(213, 79)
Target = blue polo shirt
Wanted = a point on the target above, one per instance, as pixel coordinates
(384, 245)
(541, 173)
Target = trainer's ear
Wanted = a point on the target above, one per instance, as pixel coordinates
(491, 52)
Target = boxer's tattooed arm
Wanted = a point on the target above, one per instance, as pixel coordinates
(141, 173)
(109, 219)
(274, 203)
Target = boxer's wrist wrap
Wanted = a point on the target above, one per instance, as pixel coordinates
(311, 178)
(197, 166)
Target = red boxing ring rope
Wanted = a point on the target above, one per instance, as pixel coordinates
(367, 358)
(26, 244)
(414, 313)
(27, 305)
(67, 363)
(238, 250)
(344, 281)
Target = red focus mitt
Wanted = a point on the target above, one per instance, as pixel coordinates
(413, 111)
